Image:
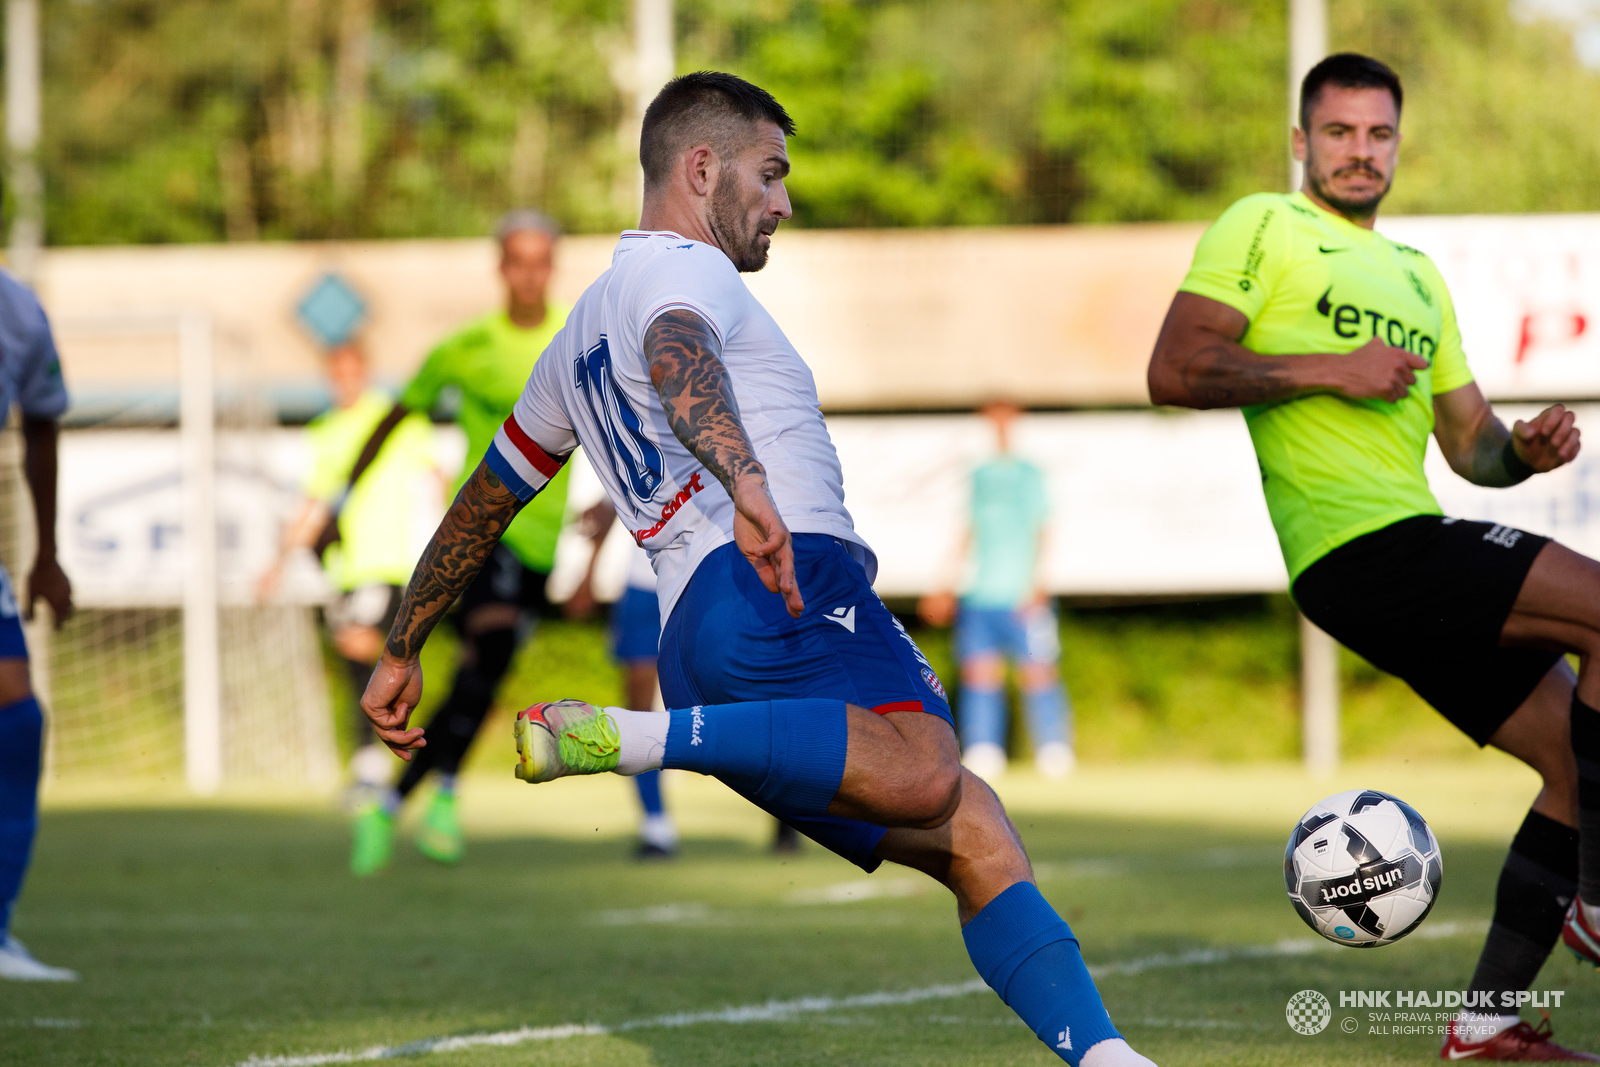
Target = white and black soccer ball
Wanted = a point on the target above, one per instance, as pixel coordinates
(1362, 868)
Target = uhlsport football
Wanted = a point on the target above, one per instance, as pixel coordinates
(1362, 868)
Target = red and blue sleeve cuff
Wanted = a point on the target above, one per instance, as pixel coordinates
(519, 462)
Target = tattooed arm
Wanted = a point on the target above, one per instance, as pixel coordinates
(1199, 363)
(470, 530)
(686, 369)
(1478, 446)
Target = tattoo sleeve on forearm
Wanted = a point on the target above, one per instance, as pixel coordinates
(686, 369)
(470, 530)
(1490, 467)
(1219, 377)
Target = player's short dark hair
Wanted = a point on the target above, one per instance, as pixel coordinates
(523, 219)
(1347, 70)
(706, 107)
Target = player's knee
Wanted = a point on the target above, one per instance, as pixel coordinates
(363, 644)
(1037, 676)
(983, 672)
(935, 794)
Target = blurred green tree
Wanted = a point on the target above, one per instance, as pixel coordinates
(203, 120)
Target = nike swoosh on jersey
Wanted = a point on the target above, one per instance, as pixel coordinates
(1321, 249)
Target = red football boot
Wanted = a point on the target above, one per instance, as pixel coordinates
(1581, 939)
(1520, 1042)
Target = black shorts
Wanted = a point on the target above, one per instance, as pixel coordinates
(504, 580)
(1425, 599)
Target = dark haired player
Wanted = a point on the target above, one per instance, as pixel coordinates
(789, 679)
(1342, 348)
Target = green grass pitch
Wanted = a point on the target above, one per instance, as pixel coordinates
(212, 933)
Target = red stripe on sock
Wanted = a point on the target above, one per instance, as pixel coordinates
(899, 705)
(542, 461)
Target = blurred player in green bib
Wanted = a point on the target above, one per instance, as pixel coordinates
(379, 525)
(485, 364)
(1341, 346)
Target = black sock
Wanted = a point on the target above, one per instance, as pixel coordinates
(451, 730)
(360, 728)
(1586, 746)
(1536, 885)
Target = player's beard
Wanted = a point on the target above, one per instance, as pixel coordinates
(1365, 207)
(739, 235)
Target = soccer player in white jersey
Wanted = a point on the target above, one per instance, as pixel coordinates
(785, 676)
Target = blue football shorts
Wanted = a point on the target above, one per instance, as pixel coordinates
(636, 626)
(12, 646)
(1027, 634)
(730, 640)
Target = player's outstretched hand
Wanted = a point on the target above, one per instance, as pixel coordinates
(1549, 440)
(763, 537)
(1377, 371)
(391, 695)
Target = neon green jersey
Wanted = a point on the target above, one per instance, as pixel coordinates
(1309, 281)
(378, 521)
(488, 361)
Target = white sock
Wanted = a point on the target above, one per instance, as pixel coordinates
(1113, 1052)
(985, 759)
(1591, 914)
(644, 739)
(1474, 1027)
(371, 765)
(659, 830)
(1054, 760)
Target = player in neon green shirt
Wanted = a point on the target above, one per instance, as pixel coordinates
(486, 364)
(1342, 348)
(372, 562)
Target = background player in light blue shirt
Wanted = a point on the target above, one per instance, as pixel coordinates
(30, 377)
(1006, 613)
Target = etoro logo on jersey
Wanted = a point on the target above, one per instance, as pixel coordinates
(634, 457)
(1346, 320)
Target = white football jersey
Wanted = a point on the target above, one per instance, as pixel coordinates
(592, 387)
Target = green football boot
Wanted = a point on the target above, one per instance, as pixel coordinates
(439, 837)
(565, 737)
(374, 840)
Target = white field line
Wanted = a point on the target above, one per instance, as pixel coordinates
(783, 1010)
(893, 888)
(861, 889)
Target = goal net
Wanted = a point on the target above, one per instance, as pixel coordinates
(114, 679)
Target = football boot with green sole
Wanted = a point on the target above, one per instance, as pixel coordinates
(439, 837)
(565, 737)
(374, 840)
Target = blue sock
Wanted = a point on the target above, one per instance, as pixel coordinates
(1049, 715)
(649, 784)
(784, 752)
(983, 717)
(21, 731)
(1027, 954)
